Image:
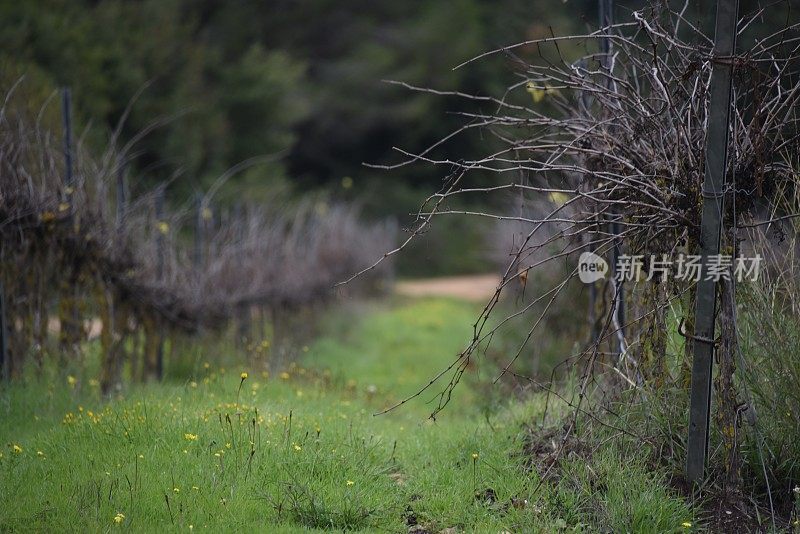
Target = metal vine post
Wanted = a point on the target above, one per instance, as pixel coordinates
(711, 228)
(66, 109)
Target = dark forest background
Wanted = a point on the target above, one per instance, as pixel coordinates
(210, 84)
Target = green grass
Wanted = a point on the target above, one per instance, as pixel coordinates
(302, 450)
(392, 354)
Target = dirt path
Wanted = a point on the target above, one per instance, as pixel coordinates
(477, 287)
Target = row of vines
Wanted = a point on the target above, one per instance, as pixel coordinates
(77, 257)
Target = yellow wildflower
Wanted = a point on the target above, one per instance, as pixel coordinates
(119, 518)
(190, 437)
(284, 375)
(39, 453)
(350, 482)
(297, 447)
(686, 524)
(16, 448)
(71, 380)
(474, 455)
(244, 376)
(163, 227)
(538, 93)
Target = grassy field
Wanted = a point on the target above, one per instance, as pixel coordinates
(239, 450)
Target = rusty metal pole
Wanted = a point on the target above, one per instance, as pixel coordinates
(713, 191)
(70, 320)
(606, 17)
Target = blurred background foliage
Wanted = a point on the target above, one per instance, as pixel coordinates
(212, 83)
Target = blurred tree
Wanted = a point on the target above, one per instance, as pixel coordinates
(227, 81)
(233, 80)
